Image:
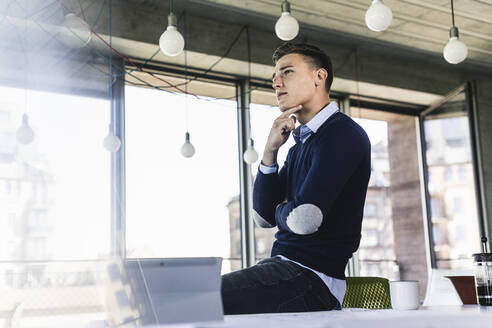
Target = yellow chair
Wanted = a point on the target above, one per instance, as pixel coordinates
(367, 293)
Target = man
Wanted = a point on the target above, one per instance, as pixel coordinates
(316, 200)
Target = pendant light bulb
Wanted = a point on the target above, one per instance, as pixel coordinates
(455, 50)
(25, 134)
(250, 156)
(287, 26)
(75, 33)
(187, 150)
(379, 16)
(112, 143)
(171, 41)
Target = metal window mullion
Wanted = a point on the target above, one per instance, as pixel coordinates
(245, 179)
(425, 196)
(476, 152)
(118, 171)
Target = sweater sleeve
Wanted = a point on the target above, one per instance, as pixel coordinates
(334, 161)
(268, 192)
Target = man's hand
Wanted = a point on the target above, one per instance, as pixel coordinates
(281, 128)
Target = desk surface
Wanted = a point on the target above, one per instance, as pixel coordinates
(468, 316)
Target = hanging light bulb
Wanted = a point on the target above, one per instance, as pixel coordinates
(187, 150)
(112, 143)
(250, 155)
(25, 135)
(455, 50)
(75, 33)
(378, 16)
(171, 41)
(287, 26)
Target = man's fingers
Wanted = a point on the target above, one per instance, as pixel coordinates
(279, 121)
(286, 126)
(290, 111)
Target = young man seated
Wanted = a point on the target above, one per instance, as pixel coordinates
(316, 200)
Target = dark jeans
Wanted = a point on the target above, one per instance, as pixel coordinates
(274, 285)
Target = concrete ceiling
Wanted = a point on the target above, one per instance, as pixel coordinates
(389, 63)
(419, 24)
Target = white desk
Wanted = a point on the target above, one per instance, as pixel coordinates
(468, 316)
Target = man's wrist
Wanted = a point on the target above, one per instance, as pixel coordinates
(268, 169)
(269, 158)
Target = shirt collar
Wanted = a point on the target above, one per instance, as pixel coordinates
(302, 132)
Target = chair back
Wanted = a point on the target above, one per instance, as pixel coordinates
(367, 293)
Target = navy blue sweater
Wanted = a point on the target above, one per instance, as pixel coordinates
(330, 170)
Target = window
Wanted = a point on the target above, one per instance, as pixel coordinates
(36, 248)
(176, 206)
(369, 238)
(462, 173)
(458, 204)
(436, 208)
(460, 233)
(370, 209)
(37, 218)
(11, 221)
(68, 158)
(439, 236)
(449, 174)
(9, 278)
(4, 116)
(447, 127)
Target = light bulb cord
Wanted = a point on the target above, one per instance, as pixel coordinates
(452, 12)
(111, 100)
(186, 70)
(26, 52)
(82, 11)
(170, 6)
(248, 42)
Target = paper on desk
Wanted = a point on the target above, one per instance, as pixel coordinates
(454, 317)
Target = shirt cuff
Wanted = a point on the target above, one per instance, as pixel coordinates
(268, 169)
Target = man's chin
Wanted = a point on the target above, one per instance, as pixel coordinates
(283, 107)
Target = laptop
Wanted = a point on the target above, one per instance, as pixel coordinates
(167, 290)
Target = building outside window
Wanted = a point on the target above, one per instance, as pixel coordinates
(449, 163)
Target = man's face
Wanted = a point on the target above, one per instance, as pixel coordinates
(293, 81)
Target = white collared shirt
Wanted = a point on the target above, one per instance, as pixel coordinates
(317, 120)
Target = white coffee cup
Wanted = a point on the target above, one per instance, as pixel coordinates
(404, 294)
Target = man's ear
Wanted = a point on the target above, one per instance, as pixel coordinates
(321, 75)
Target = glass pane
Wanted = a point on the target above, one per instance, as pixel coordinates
(377, 249)
(54, 207)
(176, 206)
(55, 190)
(451, 184)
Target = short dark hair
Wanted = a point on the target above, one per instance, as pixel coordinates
(314, 55)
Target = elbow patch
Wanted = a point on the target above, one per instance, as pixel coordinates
(305, 219)
(261, 222)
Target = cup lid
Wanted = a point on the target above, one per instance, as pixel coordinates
(482, 257)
